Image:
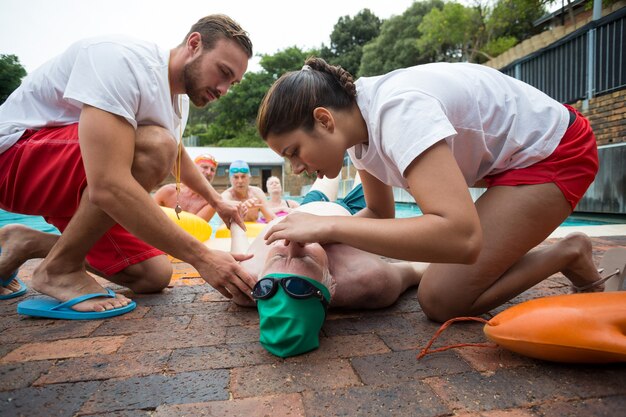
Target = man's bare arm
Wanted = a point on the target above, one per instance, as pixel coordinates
(238, 240)
(107, 145)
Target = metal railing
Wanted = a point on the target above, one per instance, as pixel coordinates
(586, 63)
(610, 55)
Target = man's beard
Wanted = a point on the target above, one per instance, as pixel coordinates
(191, 73)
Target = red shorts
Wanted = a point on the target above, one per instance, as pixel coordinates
(572, 166)
(43, 174)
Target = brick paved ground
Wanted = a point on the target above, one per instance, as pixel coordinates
(189, 352)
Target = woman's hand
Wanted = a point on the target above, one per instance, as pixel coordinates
(302, 228)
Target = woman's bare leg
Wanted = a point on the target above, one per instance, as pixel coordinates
(514, 221)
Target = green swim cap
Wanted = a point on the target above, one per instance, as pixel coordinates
(290, 326)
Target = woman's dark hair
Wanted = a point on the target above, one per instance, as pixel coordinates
(289, 103)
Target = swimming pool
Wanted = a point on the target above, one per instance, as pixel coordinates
(411, 210)
(403, 210)
(35, 222)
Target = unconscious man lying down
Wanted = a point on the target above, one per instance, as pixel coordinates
(296, 284)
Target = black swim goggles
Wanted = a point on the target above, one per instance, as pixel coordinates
(295, 287)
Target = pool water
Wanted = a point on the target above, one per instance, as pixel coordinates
(35, 222)
(411, 210)
(403, 210)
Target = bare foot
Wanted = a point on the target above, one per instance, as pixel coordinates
(581, 271)
(12, 287)
(67, 285)
(19, 244)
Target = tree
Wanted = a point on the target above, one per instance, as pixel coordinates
(348, 37)
(432, 31)
(453, 33)
(396, 46)
(509, 22)
(514, 18)
(290, 59)
(11, 74)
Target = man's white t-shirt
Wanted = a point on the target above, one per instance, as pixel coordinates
(492, 122)
(118, 74)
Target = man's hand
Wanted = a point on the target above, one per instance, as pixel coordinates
(242, 207)
(224, 273)
(229, 213)
(251, 203)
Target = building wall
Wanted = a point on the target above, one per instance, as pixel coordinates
(607, 115)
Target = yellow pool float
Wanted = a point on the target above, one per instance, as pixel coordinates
(252, 230)
(196, 226)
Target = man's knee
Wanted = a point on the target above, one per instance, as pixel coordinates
(155, 154)
(149, 276)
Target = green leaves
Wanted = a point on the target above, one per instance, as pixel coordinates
(11, 74)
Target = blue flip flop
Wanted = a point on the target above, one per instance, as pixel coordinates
(6, 282)
(54, 309)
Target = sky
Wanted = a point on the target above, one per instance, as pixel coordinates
(37, 30)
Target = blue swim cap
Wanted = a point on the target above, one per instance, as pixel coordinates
(238, 167)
